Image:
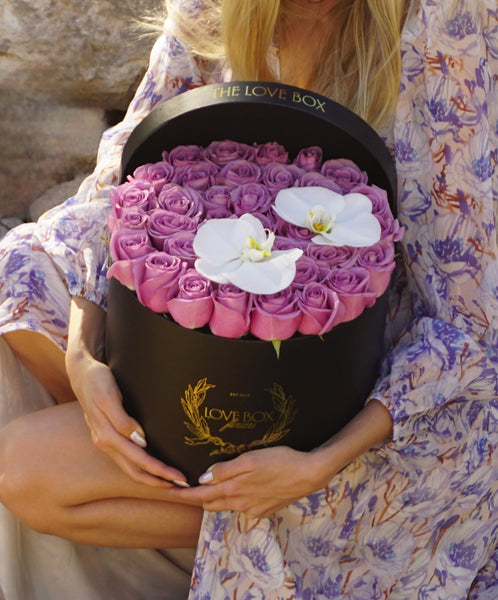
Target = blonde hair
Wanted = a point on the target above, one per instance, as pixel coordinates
(359, 64)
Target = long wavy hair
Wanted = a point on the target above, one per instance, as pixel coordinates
(359, 63)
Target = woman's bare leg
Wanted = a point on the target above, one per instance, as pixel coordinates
(44, 359)
(55, 480)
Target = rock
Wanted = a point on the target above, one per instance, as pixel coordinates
(54, 196)
(65, 66)
(41, 144)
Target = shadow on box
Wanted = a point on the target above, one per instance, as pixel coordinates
(201, 398)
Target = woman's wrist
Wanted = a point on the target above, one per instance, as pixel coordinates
(369, 428)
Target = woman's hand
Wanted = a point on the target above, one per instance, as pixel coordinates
(261, 482)
(112, 430)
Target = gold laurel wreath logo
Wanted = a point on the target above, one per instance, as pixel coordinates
(194, 397)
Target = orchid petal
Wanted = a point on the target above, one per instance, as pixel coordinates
(214, 272)
(361, 231)
(292, 204)
(219, 240)
(267, 277)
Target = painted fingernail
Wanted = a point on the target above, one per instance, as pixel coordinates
(138, 439)
(206, 477)
(183, 484)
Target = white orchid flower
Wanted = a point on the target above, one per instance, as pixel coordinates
(337, 220)
(239, 251)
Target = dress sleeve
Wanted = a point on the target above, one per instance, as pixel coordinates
(75, 234)
(446, 153)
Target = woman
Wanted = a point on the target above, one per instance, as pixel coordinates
(401, 503)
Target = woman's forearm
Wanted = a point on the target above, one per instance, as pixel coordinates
(369, 428)
(86, 330)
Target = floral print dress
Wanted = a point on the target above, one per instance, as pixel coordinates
(416, 518)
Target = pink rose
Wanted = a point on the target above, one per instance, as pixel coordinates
(379, 260)
(180, 244)
(131, 194)
(277, 176)
(185, 155)
(193, 304)
(250, 198)
(239, 172)
(158, 280)
(198, 176)
(352, 287)
(231, 307)
(313, 179)
(271, 152)
(181, 200)
(309, 159)
(127, 246)
(221, 153)
(275, 316)
(164, 223)
(158, 174)
(320, 307)
(307, 270)
(347, 174)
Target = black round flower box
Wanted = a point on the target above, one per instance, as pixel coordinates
(202, 398)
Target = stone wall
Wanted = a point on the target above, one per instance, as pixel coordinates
(67, 70)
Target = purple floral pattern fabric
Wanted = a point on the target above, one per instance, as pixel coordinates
(417, 518)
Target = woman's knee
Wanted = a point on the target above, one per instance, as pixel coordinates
(22, 489)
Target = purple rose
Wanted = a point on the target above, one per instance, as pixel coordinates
(379, 260)
(127, 247)
(218, 213)
(347, 174)
(271, 152)
(221, 153)
(131, 218)
(231, 308)
(127, 244)
(181, 200)
(158, 174)
(131, 194)
(158, 282)
(217, 196)
(198, 176)
(352, 287)
(300, 235)
(306, 270)
(164, 223)
(239, 172)
(275, 316)
(185, 155)
(180, 244)
(193, 305)
(320, 307)
(277, 176)
(333, 256)
(309, 159)
(250, 198)
(318, 180)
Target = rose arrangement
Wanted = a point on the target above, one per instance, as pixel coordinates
(244, 240)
